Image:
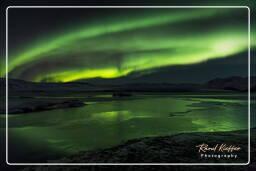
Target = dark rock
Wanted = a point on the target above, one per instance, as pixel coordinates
(180, 148)
(42, 106)
(121, 94)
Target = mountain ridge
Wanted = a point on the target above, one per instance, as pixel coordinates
(234, 83)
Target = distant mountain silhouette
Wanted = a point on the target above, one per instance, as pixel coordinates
(21, 85)
(234, 83)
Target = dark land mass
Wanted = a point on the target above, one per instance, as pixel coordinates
(238, 84)
(42, 105)
(232, 83)
(25, 97)
(179, 148)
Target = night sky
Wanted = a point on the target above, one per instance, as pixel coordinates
(127, 45)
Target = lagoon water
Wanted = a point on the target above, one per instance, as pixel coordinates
(49, 135)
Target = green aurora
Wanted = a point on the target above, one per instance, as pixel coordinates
(140, 41)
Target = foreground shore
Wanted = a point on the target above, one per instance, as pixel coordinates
(179, 148)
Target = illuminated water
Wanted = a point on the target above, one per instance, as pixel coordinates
(41, 136)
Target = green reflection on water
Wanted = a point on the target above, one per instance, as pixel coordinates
(105, 124)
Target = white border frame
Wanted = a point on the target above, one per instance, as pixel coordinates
(249, 96)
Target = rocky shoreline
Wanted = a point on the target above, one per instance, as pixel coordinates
(179, 148)
(43, 105)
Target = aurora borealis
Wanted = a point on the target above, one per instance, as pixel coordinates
(106, 75)
(118, 42)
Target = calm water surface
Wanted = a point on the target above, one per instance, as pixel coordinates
(41, 136)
